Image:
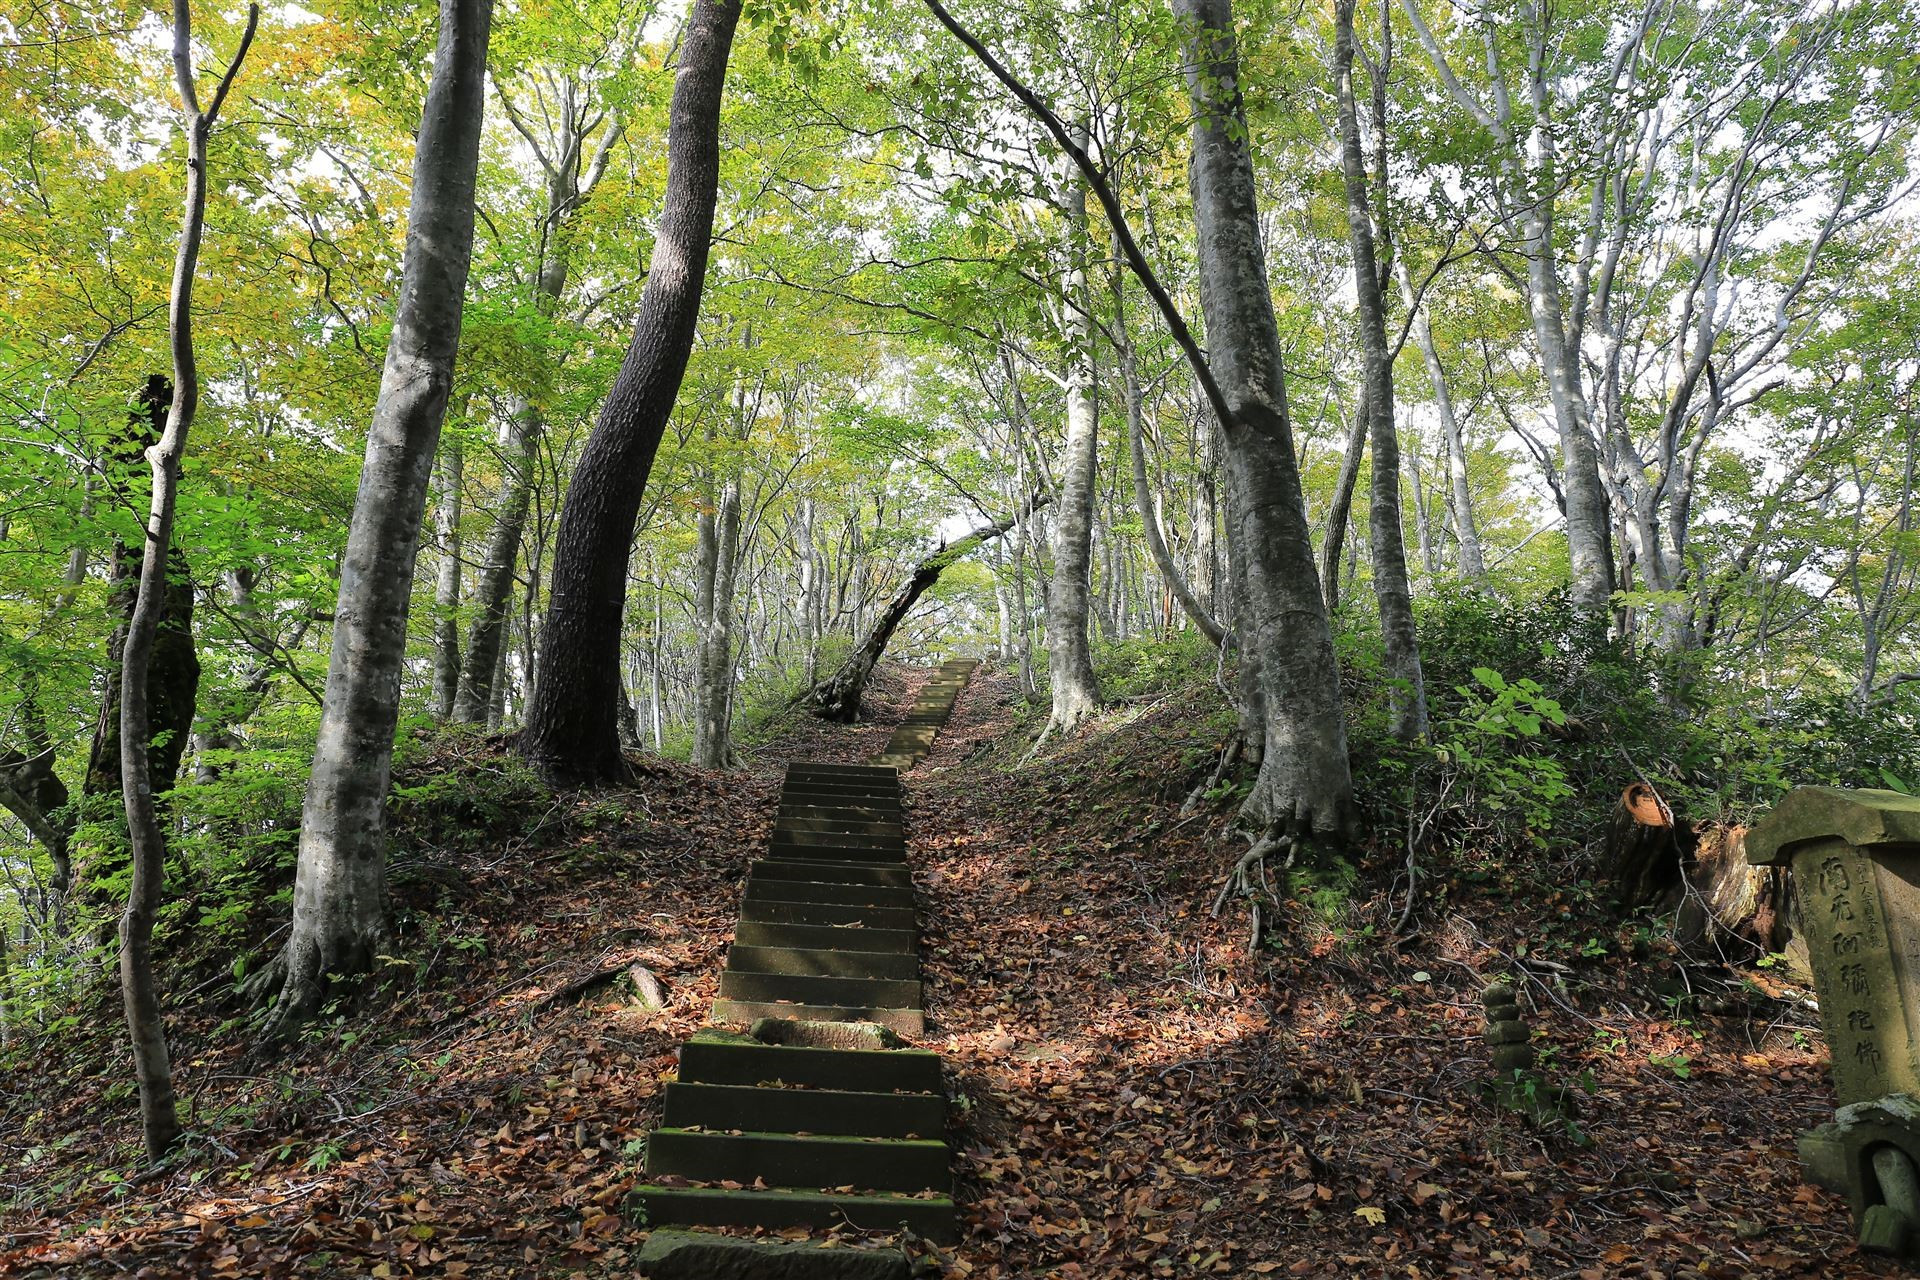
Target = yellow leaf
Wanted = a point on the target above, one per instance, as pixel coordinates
(1372, 1213)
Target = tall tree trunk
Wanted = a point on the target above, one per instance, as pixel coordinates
(1304, 784)
(1386, 529)
(493, 585)
(339, 894)
(1142, 490)
(1422, 512)
(572, 734)
(656, 694)
(446, 587)
(713, 663)
(140, 994)
(1589, 516)
(571, 180)
(495, 712)
(1074, 689)
(1340, 510)
(1466, 531)
(838, 698)
(1205, 557)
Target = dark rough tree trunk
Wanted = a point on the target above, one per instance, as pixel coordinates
(173, 667)
(340, 886)
(838, 698)
(1304, 784)
(140, 781)
(572, 733)
(1387, 539)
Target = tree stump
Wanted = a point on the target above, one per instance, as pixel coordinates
(1646, 851)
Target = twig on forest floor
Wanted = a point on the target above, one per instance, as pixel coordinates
(1241, 883)
(1229, 752)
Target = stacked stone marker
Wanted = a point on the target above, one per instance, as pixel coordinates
(819, 1125)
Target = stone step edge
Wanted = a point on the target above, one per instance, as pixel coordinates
(935, 1217)
(912, 1022)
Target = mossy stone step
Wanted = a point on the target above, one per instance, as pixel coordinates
(828, 913)
(934, 1218)
(846, 895)
(826, 937)
(908, 1022)
(821, 872)
(706, 1255)
(745, 986)
(827, 794)
(800, 1163)
(833, 853)
(832, 810)
(838, 839)
(824, 1112)
(713, 1056)
(889, 787)
(802, 962)
(815, 822)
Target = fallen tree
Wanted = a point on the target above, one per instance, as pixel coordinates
(838, 697)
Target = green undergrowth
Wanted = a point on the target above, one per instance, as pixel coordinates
(461, 800)
(1538, 722)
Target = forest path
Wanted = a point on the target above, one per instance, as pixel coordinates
(1138, 1094)
(1145, 1096)
(817, 1116)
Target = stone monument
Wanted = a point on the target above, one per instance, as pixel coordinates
(1855, 861)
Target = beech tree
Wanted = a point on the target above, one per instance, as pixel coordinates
(340, 886)
(1075, 692)
(572, 732)
(1304, 787)
(159, 1117)
(1387, 529)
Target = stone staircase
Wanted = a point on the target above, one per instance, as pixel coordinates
(818, 1116)
(913, 739)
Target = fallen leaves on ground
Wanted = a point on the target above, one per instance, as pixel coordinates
(1137, 1094)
